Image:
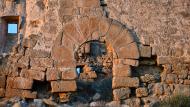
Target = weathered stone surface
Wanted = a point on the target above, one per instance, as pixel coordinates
(113, 104)
(41, 62)
(63, 86)
(124, 38)
(171, 78)
(145, 51)
(149, 100)
(61, 54)
(53, 74)
(38, 53)
(33, 74)
(104, 25)
(31, 41)
(2, 81)
(141, 92)
(121, 70)
(28, 94)
(121, 94)
(133, 102)
(127, 62)
(64, 97)
(38, 68)
(163, 60)
(128, 51)
(22, 93)
(69, 74)
(88, 75)
(64, 64)
(22, 83)
(2, 92)
(87, 3)
(182, 89)
(158, 89)
(187, 82)
(118, 82)
(24, 60)
(114, 30)
(148, 78)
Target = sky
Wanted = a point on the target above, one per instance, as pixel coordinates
(12, 28)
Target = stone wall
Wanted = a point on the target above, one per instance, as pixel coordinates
(148, 42)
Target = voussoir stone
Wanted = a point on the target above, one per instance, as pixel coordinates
(128, 51)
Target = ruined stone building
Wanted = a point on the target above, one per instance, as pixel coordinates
(133, 52)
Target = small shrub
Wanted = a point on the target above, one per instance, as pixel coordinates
(176, 101)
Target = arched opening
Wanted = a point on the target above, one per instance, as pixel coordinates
(94, 68)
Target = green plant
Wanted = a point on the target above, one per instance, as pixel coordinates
(179, 100)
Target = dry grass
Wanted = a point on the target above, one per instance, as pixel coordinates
(176, 101)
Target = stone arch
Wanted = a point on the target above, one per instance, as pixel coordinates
(86, 29)
(117, 38)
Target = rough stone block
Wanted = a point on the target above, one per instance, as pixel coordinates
(128, 51)
(63, 86)
(2, 92)
(163, 60)
(187, 82)
(114, 30)
(67, 3)
(41, 62)
(141, 92)
(124, 38)
(31, 41)
(69, 74)
(22, 83)
(104, 25)
(130, 62)
(24, 61)
(2, 81)
(113, 104)
(133, 102)
(33, 74)
(53, 74)
(171, 78)
(92, 75)
(182, 89)
(64, 64)
(158, 89)
(121, 94)
(93, 24)
(38, 68)
(121, 70)
(38, 53)
(118, 82)
(88, 3)
(20, 93)
(64, 97)
(145, 51)
(28, 94)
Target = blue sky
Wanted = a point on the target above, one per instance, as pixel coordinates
(12, 28)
